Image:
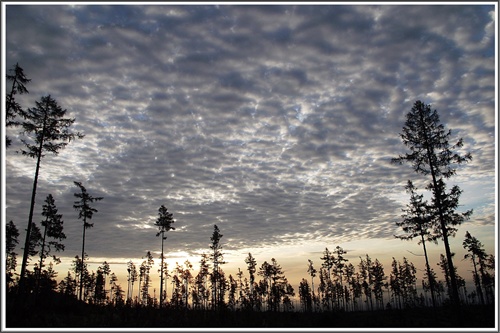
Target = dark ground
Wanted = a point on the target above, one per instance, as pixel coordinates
(59, 311)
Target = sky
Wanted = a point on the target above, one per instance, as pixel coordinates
(277, 123)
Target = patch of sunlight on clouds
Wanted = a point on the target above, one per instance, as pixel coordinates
(173, 257)
(141, 226)
(21, 167)
(204, 196)
(400, 197)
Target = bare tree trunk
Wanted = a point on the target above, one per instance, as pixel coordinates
(431, 279)
(83, 258)
(161, 272)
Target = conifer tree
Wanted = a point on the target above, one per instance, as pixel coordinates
(312, 272)
(11, 235)
(432, 154)
(339, 264)
(478, 257)
(33, 250)
(132, 277)
(47, 131)
(99, 290)
(377, 272)
(202, 279)
(13, 108)
(86, 212)
(251, 267)
(146, 277)
(367, 278)
(105, 272)
(53, 228)
(164, 224)
(67, 286)
(305, 296)
(187, 278)
(417, 222)
(217, 258)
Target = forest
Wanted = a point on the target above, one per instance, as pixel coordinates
(334, 291)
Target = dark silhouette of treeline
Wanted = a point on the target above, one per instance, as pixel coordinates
(341, 295)
(336, 292)
(56, 310)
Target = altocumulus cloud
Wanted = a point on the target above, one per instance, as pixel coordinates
(275, 122)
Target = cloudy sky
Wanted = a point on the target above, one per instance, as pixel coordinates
(275, 122)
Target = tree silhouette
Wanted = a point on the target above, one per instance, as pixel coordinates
(312, 272)
(105, 272)
(403, 283)
(445, 268)
(53, 228)
(11, 235)
(339, 264)
(187, 279)
(145, 270)
(202, 291)
(252, 267)
(164, 224)
(177, 287)
(164, 275)
(47, 131)
(100, 291)
(280, 287)
(417, 222)
(305, 295)
(367, 279)
(274, 285)
(478, 257)
(182, 281)
(79, 267)
(112, 287)
(67, 286)
(33, 246)
(432, 154)
(132, 277)
(327, 285)
(142, 271)
(429, 280)
(488, 280)
(377, 272)
(233, 285)
(85, 212)
(354, 285)
(117, 294)
(217, 258)
(12, 108)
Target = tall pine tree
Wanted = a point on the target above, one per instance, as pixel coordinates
(85, 212)
(164, 224)
(217, 258)
(47, 131)
(431, 154)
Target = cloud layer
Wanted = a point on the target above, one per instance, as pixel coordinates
(275, 122)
